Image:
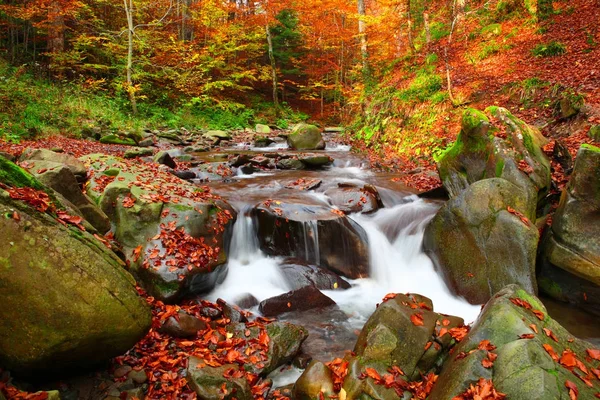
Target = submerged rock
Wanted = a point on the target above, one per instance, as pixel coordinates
(353, 199)
(306, 298)
(306, 137)
(319, 235)
(479, 242)
(532, 356)
(298, 274)
(67, 301)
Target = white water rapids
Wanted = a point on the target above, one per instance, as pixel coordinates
(397, 264)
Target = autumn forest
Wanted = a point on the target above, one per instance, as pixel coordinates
(299, 200)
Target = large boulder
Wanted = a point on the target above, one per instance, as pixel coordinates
(319, 235)
(172, 232)
(478, 154)
(351, 198)
(299, 274)
(521, 351)
(306, 137)
(480, 241)
(572, 243)
(405, 332)
(61, 179)
(67, 301)
(75, 165)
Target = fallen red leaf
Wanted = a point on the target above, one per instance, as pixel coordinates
(416, 319)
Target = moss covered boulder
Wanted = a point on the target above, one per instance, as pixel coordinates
(172, 232)
(306, 137)
(480, 242)
(498, 146)
(524, 352)
(404, 331)
(67, 301)
(75, 165)
(210, 383)
(316, 234)
(573, 243)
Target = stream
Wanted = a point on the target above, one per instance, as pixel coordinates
(394, 232)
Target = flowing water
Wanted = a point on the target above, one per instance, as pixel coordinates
(395, 235)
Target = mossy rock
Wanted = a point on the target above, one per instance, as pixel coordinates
(67, 300)
(114, 139)
(390, 337)
(523, 369)
(479, 246)
(138, 152)
(306, 137)
(262, 129)
(138, 223)
(574, 245)
(14, 176)
(477, 154)
(594, 133)
(208, 382)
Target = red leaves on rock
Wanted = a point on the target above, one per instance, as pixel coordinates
(65, 218)
(417, 319)
(484, 390)
(523, 218)
(37, 199)
(527, 336)
(339, 370)
(551, 352)
(524, 304)
(594, 354)
(389, 296)
(459, 332)
(573, 391)
(486, 345)
(371, 373)
(128, 202)
(550, 334)
(540, 315)
(568, 359)
(521, 303)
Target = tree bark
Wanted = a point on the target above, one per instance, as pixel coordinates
(410, 26)
(362, 33)
(426, 25)
(130, 32)
(56, 29)
(273, 69)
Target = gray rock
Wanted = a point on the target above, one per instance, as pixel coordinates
(306, 137)
(306, 298)
(479, 246)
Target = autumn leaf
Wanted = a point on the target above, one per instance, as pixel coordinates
(568, 359)
(550, 334)
(416, 319)
(594, 354)
(573, 391)
(539, 314)
(371, 373)
(550, 351)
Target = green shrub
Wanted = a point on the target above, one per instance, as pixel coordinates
(551, 49)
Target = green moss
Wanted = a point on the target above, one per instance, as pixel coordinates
(590, 147)
(15, 176)
(499, 167)
(114, 139)
(472, 119)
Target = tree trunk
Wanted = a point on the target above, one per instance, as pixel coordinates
(273, 69)
(426, 25)
(410, 26)
(56, 29)
(130, 32)
(362, 33)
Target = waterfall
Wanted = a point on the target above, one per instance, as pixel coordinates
(398, 263)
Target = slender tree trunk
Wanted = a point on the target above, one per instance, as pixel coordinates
(362, 33)
(273, 69)
(410, 26)
(457, 7)
(426, 25)
(130, 32)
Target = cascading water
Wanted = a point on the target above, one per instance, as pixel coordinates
(398, 263)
